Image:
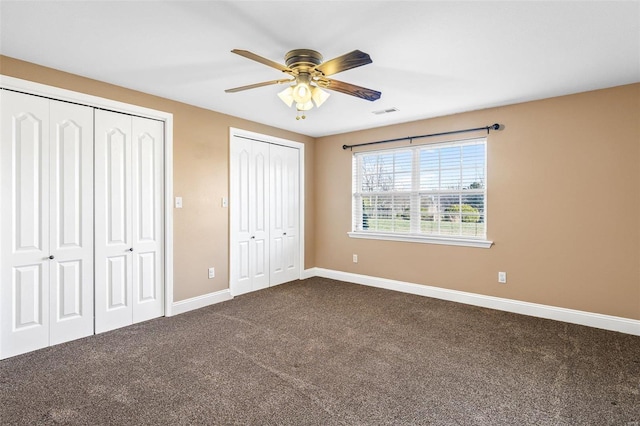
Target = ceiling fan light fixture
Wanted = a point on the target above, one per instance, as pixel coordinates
(287, 96)
(304, 106)
(302, 89)
(319, 96)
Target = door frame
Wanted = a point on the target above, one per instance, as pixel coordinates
(259, 137)
(56, 93)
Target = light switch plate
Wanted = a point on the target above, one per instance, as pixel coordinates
(178, 202)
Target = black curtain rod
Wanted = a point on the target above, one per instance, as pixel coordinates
(495, 126)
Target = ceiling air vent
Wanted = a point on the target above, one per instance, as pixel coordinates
(385, 111)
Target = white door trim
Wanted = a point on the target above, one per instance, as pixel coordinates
(32, 88)
(277, 141)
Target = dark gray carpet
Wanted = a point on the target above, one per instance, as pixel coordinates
(324, 352)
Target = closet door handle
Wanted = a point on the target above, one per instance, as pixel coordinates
(131, 249)
(51, 257)
(253, 237)
(284, 233)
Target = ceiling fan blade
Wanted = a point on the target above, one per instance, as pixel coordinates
(258, 58)
(345, 62)
(350, 89)
(253, 86)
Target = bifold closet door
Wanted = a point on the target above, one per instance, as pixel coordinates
(71, 221)
(265, 209)
(24, 217)
(128, 220)
(284, 197)
(46, 222)
(249, 189)
(147, 155)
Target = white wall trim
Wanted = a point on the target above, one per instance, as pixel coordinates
(310, 273)
(168, 217)
(38, 89)
(590, 319)
(423, 239)
(201, 301)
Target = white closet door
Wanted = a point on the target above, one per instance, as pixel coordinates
(113, 227)
(24, 223)
(71, 221)
(249, 189)
(240, 152)
(285, 205)
(147, 189)
(259, 216)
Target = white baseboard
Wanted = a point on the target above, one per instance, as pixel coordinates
(590, 319)
(309, 273)
(200, 301)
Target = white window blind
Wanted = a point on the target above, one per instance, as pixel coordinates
(429, 190)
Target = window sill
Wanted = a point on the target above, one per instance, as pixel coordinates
(449, 241)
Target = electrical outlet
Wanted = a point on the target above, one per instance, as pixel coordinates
(212, 273)
(502, 277)
(355, 258)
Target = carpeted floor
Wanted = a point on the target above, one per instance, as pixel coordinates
(323, 352)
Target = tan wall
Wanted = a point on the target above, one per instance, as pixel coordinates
(201, 175)
(563, 201)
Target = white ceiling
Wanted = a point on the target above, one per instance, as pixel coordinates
(429, 58)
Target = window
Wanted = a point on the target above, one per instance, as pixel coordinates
(429, 193)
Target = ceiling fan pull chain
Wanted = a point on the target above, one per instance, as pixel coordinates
(299, 116)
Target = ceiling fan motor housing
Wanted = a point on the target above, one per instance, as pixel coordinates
(303, 59)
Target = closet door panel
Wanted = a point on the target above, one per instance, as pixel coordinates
(284, 236)
(147, 218)
(68, 300)
(277, 203)
(113, 224)
(259, 215)
(71, 203)
(24, 223)
(291, 209)
(240, 250)
(117, 277)
(249, 269)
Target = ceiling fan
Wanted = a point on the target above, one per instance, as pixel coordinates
(309, 76)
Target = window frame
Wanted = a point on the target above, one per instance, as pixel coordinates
(415, 193)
